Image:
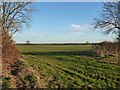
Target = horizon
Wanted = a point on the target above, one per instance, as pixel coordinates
(60, 42)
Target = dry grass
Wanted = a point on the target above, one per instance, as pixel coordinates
(16, 73)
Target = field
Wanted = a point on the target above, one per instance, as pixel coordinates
(71, 66)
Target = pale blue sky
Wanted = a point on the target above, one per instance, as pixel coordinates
(62, 22)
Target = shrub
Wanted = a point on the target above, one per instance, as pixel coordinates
(10, 53)
(106, 49)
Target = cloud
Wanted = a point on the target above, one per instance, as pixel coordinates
(77, 29)
(31, 34)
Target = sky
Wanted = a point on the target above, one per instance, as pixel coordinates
(62, 22)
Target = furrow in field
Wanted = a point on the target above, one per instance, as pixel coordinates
(77, 72)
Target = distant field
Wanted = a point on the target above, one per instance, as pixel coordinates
(55, 48)
(71, 66)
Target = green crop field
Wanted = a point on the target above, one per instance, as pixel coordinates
(71, 66)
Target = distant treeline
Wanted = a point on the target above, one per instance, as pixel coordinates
(57, 43)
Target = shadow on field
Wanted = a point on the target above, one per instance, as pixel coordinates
(82, 53)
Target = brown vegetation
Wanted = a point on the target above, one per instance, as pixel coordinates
(14, 16)
(10, 53)
(22, 75)
(108, 52)
(16, 73)
(106, 49)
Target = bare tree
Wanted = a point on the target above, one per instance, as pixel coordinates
(110, 19)
(28, 42)
(15, 15)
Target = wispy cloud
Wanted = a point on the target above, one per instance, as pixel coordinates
(78, 29)
(32, 34)
(75, 27)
